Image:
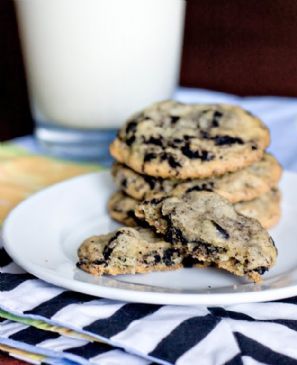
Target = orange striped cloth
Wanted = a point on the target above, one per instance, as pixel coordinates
(23, 173)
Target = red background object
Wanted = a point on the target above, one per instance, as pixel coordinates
(6, 360)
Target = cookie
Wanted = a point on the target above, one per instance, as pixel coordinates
(266, 208)
(213, 232)
(128, 251)
(242, 185)
(175, 140)
(122, 209)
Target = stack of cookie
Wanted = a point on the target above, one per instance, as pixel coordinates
(171, 148)
(191, 180)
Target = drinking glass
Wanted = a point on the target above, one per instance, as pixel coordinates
(91, 63)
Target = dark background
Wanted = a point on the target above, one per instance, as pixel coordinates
(238, 46)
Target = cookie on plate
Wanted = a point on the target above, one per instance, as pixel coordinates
(242, 185)
(121, 208)
(266, 208)
(175, 140)
(128, 251)
(213, 232)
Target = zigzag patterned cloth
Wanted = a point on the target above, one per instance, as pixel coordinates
(140, 334)
(67, 328)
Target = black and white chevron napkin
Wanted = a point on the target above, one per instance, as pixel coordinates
(131, 333)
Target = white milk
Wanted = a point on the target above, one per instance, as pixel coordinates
(90, 63)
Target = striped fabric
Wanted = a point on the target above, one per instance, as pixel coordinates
(131, 333)
(32, 358)
(53, 345)
(262, 333)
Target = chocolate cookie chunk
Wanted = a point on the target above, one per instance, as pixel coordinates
(175, 140)
(242, 185)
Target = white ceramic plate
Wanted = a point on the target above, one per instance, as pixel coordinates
(43, 233)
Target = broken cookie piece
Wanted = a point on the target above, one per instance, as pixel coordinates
(212, 231)
(129, 251)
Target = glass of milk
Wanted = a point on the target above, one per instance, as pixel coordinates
(91, 63)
